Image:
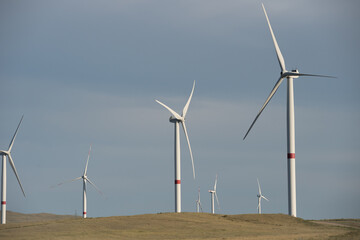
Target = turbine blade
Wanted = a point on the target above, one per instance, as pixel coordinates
(217, 200)
(188, 102)
(259, 186)
(97, 189)
(310, 75)
(87, 162)
(13, 139)
(175, 114)
(273, 91)
(16, 174)
(72, 180)
(277, 49)
(188, 142)
(215, 182)
(265, 198)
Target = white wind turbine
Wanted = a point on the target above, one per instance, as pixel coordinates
(212, 194)
(198, 203)
(7, 153)
(289, 75)
(176, 119)
(85, 179)
(260, 196)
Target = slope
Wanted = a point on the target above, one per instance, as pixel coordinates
(178, 226)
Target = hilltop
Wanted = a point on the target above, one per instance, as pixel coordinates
(176, 226)
(14, 217)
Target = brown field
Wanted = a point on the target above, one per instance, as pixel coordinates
(176, 226)
(14, 217)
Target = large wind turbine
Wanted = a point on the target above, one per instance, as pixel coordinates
(260, 196)
(176, 119)
(212, 194)
(198, 203)
(289, 75)
(7, 153)
(85, 179)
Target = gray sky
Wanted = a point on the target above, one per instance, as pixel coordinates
(87, 72)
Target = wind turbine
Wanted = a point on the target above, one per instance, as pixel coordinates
(7, 153)
(198, 203)
(212, 194)
(85, 179)
(289, 75)
(260, 196)
(176, 119)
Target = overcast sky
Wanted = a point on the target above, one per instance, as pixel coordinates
(87, 72)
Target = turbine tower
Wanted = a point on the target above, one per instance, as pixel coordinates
(176, 119)
(198, 203)
(212, 194)
(289, 75)
(85, 179)
(260, 196)
(7, 153)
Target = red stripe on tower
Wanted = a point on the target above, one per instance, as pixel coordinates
(3, 202)
(177, 181)
(291, 155)
(84, 212)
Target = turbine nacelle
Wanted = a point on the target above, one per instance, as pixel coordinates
(293, 73)
(4, 152)
(173, 119)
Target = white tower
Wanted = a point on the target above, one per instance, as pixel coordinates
(176, 119)
(213, 195)
(7, 154)
(289, 75)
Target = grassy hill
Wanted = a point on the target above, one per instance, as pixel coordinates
(14, 217)
(178, 226)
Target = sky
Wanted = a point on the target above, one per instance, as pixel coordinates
(88, 72)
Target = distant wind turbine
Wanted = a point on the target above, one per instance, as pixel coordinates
(289, 75)
(7, 153)
(85, 179)
(212, 194)
(198, 203)
(260, 196)
(176, 119)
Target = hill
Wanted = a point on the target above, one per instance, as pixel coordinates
(14, 217)
(179, 226)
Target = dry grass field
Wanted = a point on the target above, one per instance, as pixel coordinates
(14, 217)
(176, 226)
